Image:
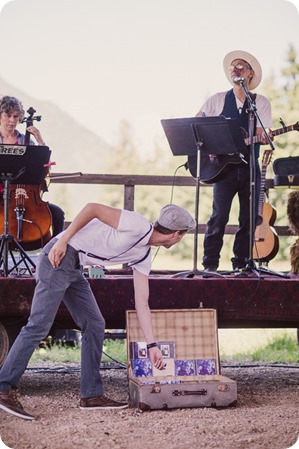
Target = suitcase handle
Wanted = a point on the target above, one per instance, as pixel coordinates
(201, 392)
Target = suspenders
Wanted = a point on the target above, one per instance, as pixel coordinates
(123, 252)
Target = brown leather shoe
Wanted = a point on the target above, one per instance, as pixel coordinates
(9, 402)
(100, 403)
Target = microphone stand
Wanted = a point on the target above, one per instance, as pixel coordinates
(252, 113)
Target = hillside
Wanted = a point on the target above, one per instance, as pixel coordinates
(74, 149)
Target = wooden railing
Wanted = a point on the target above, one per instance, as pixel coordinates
(131, 181)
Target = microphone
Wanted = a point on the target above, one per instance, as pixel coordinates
(238, 79)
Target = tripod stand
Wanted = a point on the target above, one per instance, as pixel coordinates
(252, 114)
(27, 165)
(7, 240)
(208, 135)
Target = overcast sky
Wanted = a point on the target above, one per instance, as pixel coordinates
(104, 61)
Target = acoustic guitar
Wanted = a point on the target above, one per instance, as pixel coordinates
(211, 167)
(266, 243)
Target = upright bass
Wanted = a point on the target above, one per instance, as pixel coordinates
(29, 217)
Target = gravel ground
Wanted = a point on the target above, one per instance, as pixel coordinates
(266, 416)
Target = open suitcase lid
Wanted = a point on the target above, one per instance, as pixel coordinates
(286, 166)
(188, 339)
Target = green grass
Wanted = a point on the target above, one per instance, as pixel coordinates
(281, 348)
(65, 354)
(117, 349)
(55, 353)
(284, 349)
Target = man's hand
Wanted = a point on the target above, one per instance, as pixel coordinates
(264, 140)
(156, 358)
(57, 253)
(270, 134)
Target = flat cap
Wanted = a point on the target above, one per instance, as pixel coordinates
(176, 218)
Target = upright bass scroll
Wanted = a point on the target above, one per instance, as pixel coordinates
(29, 122)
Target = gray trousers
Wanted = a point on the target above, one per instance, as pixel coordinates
(65, 283)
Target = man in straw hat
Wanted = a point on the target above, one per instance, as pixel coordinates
(98, 234)
(235, 178)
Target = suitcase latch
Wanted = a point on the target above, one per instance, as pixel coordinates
(201, 392)
(291, 178)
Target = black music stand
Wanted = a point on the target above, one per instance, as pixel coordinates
(27, 165)
(191, 136)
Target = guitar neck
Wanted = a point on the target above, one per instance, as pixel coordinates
(283, 130)
(262, 189)
(266, 160)
(256, 139)
(275, 132)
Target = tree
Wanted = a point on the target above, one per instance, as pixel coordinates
(127, 159)
(285, 106)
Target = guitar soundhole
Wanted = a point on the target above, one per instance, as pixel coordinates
(259, 220)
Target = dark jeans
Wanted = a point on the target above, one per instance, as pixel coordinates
(235, 180)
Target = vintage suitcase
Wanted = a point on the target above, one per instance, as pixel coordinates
(188, 339)
(286, 171)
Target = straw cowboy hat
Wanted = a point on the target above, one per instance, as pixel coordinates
(251, 60)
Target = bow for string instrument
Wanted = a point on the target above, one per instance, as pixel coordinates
(29, 216)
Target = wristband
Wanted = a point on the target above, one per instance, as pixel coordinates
(151, 345)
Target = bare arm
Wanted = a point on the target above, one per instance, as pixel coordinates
(106, 214)
(141, 289)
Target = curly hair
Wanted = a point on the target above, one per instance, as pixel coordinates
(293, 211)
(10, 104)
(293, 216)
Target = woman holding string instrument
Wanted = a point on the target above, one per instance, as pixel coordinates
(40, 220)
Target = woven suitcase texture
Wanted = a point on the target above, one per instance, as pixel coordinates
(194, 331)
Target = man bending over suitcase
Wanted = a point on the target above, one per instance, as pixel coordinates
(98, 234)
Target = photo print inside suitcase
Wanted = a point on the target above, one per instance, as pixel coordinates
(188, 340)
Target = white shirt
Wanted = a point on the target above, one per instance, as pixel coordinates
(119, 245)
(214, 106)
